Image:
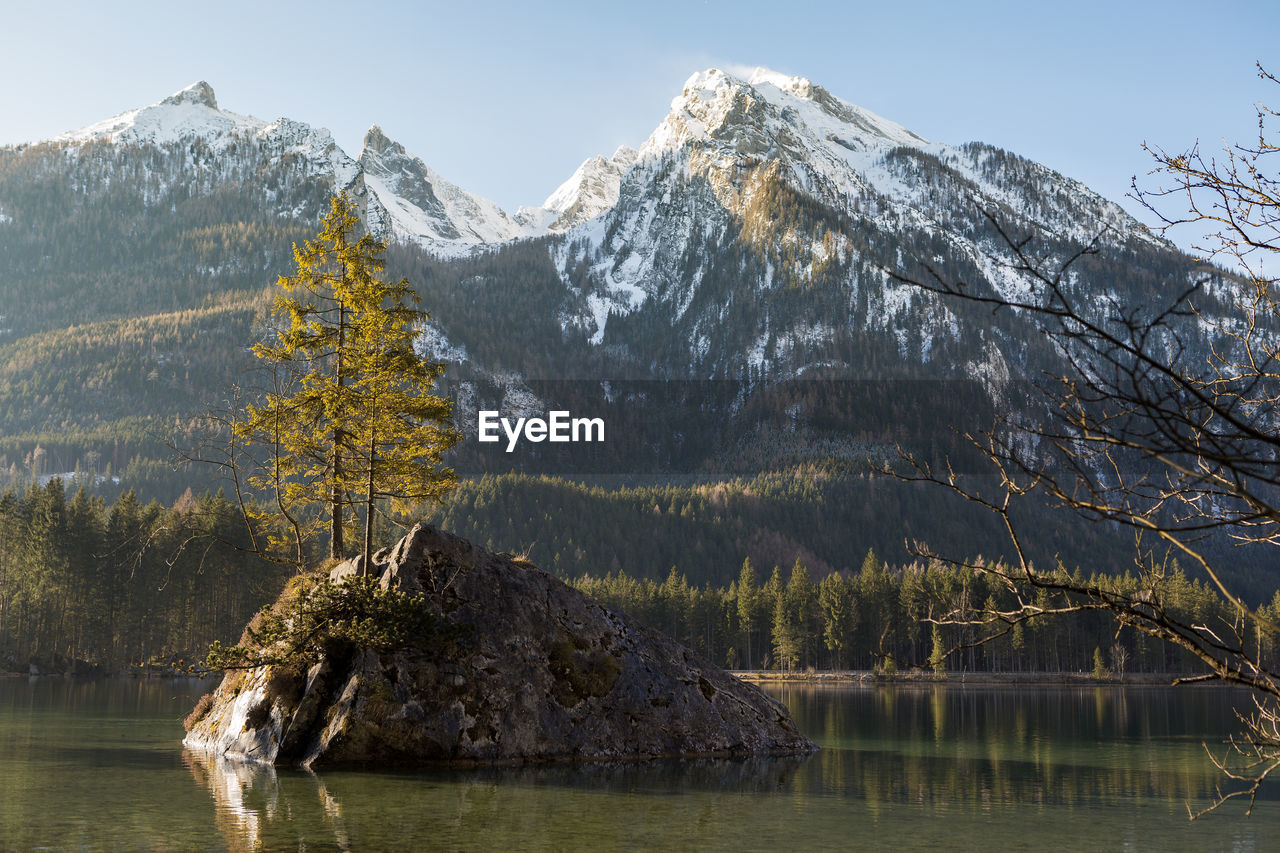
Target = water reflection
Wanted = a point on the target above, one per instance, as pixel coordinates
(1032, 761)
(948, 747)
(97, 766)
(259, 807)
(244, 795)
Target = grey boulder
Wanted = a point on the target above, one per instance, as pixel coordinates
(529, 670)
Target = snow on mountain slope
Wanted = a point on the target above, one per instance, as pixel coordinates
(835, 149)
(800, 177)
(316, 146)
(751, 230)
(720, 128)
(414, 203)
(191, 112)
(715, 104)
(404, 199)
(590, 191)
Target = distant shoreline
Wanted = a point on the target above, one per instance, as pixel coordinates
(966, 679)
(135, 673)
(865, 678)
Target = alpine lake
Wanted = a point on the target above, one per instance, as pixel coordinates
(98, 765)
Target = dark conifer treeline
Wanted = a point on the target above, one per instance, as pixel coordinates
(877, 618)
(124, 584)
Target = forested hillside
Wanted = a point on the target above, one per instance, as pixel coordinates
(826, 515)
(109, 230)
(131, 278)
(91, 586)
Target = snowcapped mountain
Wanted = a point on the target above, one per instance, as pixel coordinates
(190, 113)
(750, 235)
(730, 135)
(403, 198)
(805, 190)
(590, 191)
(750, 238)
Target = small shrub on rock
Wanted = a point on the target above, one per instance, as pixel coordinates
(321, 618)
(198, 713)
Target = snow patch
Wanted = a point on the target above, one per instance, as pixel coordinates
(756, 352)
(434, 344)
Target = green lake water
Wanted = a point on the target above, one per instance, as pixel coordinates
(99, 765)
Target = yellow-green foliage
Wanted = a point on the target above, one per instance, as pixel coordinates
(351, 419)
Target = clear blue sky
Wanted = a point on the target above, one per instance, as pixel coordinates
(506, 99)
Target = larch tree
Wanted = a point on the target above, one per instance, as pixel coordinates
(351, 420)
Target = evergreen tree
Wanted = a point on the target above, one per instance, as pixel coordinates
(748, 595)
(802, 605)
(786, 634)
(836, 605)
(876, 592)
(938, 654)
(351, 418)
(1099, 664)
(771, 597)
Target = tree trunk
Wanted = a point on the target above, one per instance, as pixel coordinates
(336, 546)
(368, 500)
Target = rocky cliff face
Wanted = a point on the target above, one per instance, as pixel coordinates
(523, 668)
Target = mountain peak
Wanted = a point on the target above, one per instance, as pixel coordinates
(751, 110)
(191, 112)
(715, 77)
(741, 78)
(377, 142)
(760, 74)
(591, 190)
(197, 93)
(410, 201)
